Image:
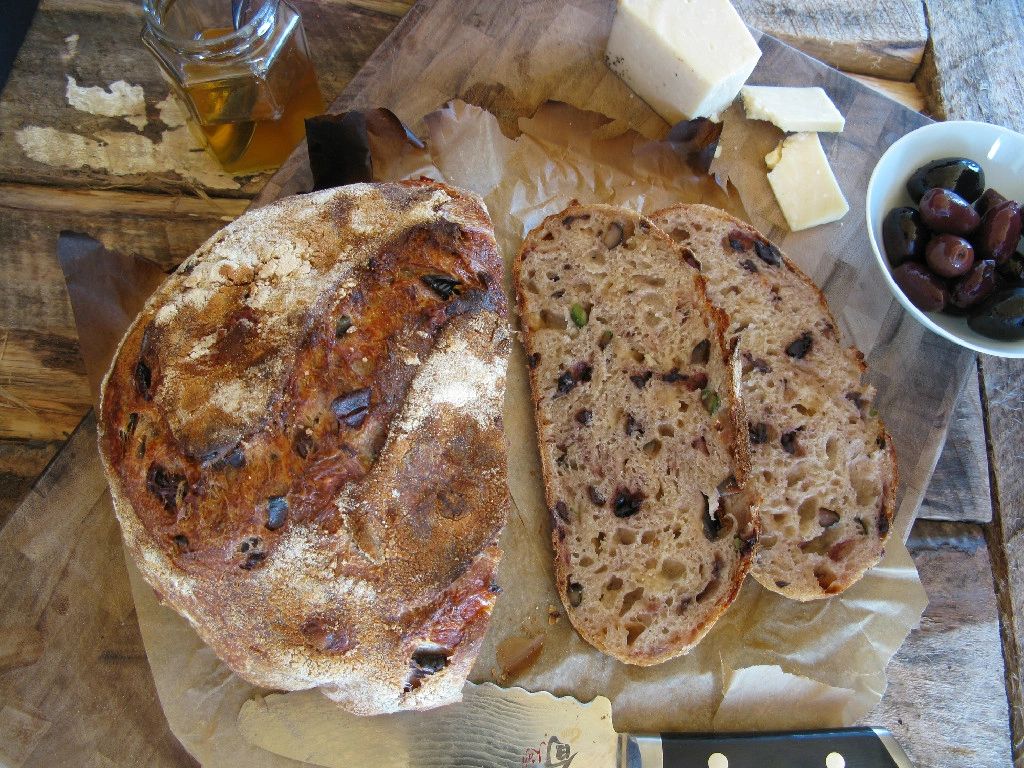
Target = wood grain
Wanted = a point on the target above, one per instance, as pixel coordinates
(974, 64)
(960, 489)
(75, 686)
(43, 389)
(109, 49)
(884, 38)
(906, 93)
(972, 730)
(968, 75)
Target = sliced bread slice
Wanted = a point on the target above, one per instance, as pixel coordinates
(640, 430)
(822, 462)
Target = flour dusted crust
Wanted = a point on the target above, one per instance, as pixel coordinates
(302, 432)
(640, 429)
(821, 459)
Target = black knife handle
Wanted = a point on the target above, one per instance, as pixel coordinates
(855, 747)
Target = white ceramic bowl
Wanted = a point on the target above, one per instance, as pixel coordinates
(999, 151)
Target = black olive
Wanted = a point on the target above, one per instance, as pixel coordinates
(949, 255)
(168, 487)
(1001, 317)
(960, 174)
(976, 286)
(442, 285)
(626, 502)
(352, 408)
(999, 233)
(701, 351)
(788, 442)
(143, 380)
(640, 379)
(585, 417)
(767, 253)
(633, 426)
(758, 433)
(945, 211)
(277, 512)
(800, 346)
(344, 323)
(565, 383)
(925, 290)
(561, 511)
(904, 235)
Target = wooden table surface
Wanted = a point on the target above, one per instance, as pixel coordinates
(134, 180)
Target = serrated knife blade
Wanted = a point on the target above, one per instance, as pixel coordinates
(495, 727)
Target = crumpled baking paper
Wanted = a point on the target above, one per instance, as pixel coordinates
(826, 660)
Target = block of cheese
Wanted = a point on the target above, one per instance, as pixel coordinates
(803, 182)
(686, 58)
(792, 109)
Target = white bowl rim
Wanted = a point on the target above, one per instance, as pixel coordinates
(947, 126)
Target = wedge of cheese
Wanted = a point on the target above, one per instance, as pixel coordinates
(792, 109)
(686, 58)
(803, 182)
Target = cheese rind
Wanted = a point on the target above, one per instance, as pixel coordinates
(686, 58)
(803, 182)
(792, 109)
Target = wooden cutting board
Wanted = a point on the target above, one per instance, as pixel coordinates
(74, 685)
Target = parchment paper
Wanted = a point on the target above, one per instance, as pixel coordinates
(768, 663)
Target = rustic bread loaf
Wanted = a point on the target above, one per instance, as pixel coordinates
(641, 436)
(821, 460)
(302, 432)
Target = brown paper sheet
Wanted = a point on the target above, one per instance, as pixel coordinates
(826, 659)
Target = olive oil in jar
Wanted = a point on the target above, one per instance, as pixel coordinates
(248, 88)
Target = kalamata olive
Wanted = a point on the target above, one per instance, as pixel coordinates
(989, 200)
(976, 286)
(959, 174)
(1001, 317)
(1011, 272)
(925, 290)
(945, 211)
(904, 235)
(949, 256)
(999, 233)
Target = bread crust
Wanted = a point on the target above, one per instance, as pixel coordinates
(685, 633)
(801, 583)
(302, 433)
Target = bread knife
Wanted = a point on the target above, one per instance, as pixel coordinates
(495, 727)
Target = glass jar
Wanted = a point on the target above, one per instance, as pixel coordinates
(242, 68)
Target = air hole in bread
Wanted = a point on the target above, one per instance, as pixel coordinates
(652, 448)
(672, 569)
(629, 600)
(614, 584)
(826, 577)
(832, 450)
(549, 319)
(652, 280)
(633, 630)
(666, 430)
(808, 511)
(625, 536)
(586, 561)
(648, 537)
